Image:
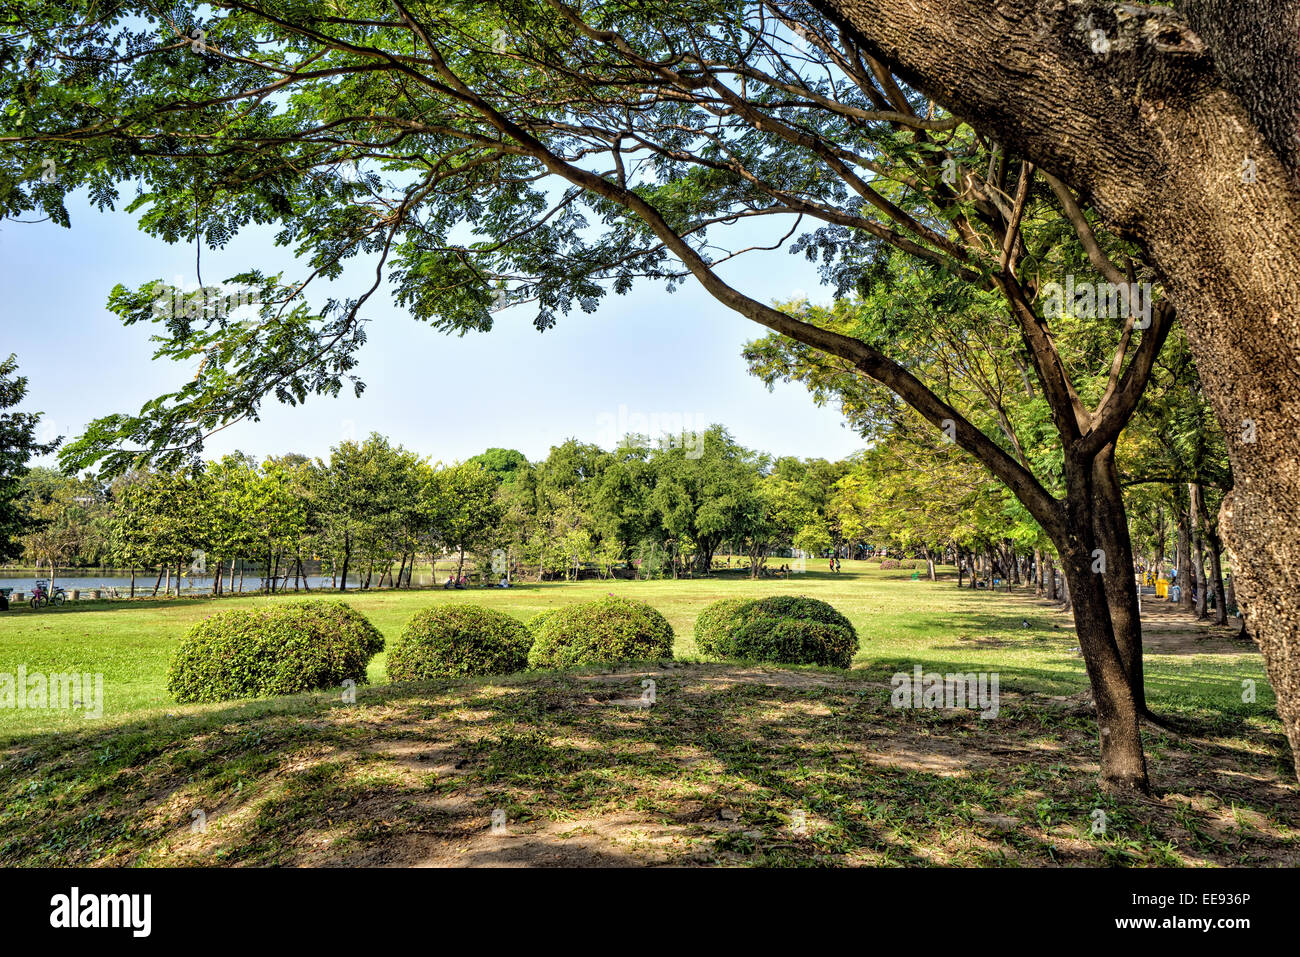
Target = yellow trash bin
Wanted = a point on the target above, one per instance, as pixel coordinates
(1162, 588)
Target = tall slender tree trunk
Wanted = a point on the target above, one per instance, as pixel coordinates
(347, 555)
(1185, 577)
(1214, 548)
(1198, 549)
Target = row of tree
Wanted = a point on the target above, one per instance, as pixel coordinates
(372, 510)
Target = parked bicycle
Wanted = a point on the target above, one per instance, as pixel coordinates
(42, 596)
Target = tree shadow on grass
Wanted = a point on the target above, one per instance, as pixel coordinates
(727, 766)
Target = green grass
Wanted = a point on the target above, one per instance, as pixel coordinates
(714, 772)
(901, 622)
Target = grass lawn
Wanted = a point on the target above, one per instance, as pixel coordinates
(733, 763)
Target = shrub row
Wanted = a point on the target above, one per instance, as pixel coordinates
(306, 646)
(310, 645)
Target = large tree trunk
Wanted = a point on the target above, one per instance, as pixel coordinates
(1110, 523)
(1181, 131)
(1123, 765)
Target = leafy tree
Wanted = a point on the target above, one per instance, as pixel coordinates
(677, 127)
(701, 495)
(18, 445)
(462, 502)
(505, 464)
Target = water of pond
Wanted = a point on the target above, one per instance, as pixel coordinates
(144, 583)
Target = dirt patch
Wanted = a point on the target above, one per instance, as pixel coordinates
(1168, 630)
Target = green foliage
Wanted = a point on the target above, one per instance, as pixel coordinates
(457, 640)
(17, 445)
(462, 504)
(713, 625)
(287, 649)
(505, 464)
(607, 629)
(784, 628)
(535, 623)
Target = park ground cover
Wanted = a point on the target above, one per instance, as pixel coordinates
(734, 763)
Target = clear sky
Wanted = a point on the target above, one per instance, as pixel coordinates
(650, 353)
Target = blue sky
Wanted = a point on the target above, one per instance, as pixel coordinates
(650, 352)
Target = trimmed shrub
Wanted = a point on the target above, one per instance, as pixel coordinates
(608, 629)
(285, 649)
(784, 629)
(534, 624)
(712, 626)
(456, 640)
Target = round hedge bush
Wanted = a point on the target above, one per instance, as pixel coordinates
(784, 629)
(457, 640)
(534, 624)
(286, 649)
(713, 625)
(604, 630)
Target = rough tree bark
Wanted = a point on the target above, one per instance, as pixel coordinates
(1179, 124)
